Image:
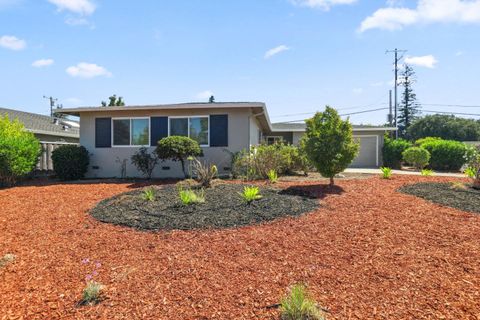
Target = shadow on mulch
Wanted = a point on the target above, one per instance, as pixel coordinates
(314, 191)
(457, 196)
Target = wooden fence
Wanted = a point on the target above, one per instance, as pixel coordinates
(45, 163)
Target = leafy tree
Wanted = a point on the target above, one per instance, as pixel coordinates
(178, 148)
(447, 127)
(19, 151)
(113, 101)
(392, 152)
(329, 143)
(409, 108)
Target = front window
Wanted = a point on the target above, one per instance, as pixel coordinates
(131, 132)
(194, 127)
(273, 139)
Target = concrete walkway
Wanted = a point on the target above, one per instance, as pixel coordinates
(404, 172)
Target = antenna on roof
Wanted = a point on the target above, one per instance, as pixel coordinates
(211, 99)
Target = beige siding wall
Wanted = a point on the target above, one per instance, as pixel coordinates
(107, 162)
(254, 131)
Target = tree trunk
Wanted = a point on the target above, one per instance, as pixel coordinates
(183, 168)
(331, 181)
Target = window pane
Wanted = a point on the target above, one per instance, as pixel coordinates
(121, 132)
(199, 130)
(179, 127)
(139, 132)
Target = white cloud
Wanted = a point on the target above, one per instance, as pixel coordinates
(274, 51)
(357, 90)
(73, 21)
(88, 70)
(322, 4)
(427, 11)
(42, 63)
(459, 53)
(12, 43)
(428, 61)
(377, 84)
(82, 7)
(204, 95)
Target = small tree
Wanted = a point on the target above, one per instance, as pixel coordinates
(329, 143)
(409, 108)
(113, 101)
(19, 151)
(145, 161)
(416, 156)
(177, 148)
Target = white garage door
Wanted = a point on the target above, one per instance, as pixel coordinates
(367, 157)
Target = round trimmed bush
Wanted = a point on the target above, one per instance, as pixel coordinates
(416, 156)
(446, 154)
(392, 152)
(70, 162)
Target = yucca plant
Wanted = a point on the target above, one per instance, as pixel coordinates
(297, 305)
(189, 197)
(250, 194)
(148, 194)
(386, 172)
(272, 176)
(204, 172)
(427, 172)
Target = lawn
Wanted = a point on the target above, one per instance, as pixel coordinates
(368, 251)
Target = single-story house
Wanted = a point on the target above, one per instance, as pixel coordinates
(45, 128)
(113, 134)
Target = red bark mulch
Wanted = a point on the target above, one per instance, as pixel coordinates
(368, 252)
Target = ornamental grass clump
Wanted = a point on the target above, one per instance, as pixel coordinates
(189, 196)
(386, 172)
(148, 194)
(272, 176)
(92, 293)
(250, 194)
(297, 305)
(204, 173)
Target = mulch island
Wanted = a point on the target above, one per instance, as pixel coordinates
(223, 208)
(458, 196)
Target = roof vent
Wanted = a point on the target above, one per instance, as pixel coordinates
(55, 121)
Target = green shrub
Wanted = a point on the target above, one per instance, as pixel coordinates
(421, 141)
(329, 143)
(416, 156)
(298, 306)
(392, 152)
(272, 176)
(189, 196)
(386, 172)
(177, 148)
(427, 172)
(250, 194)
(473, 169)
(19, 150)
(144, 161)
(148, 194)
(446, 154)
(260, 160)
(204, 173)
(70, 162)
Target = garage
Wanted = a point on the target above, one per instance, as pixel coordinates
(368, 155)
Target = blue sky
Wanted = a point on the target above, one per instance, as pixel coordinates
(295, 55)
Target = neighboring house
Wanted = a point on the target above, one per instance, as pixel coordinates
(45, 128)
(113, 134)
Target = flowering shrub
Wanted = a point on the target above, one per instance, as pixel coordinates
(92, 293)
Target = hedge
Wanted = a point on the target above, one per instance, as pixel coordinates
(70, 162)
(446, 154)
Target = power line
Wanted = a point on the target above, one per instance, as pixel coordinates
(448, 105)
(345, 114)
(446, 112)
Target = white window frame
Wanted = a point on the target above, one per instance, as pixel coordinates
(188, 126)
(130, 136)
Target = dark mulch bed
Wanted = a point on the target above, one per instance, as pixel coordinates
(466, 199)
(223, 208)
